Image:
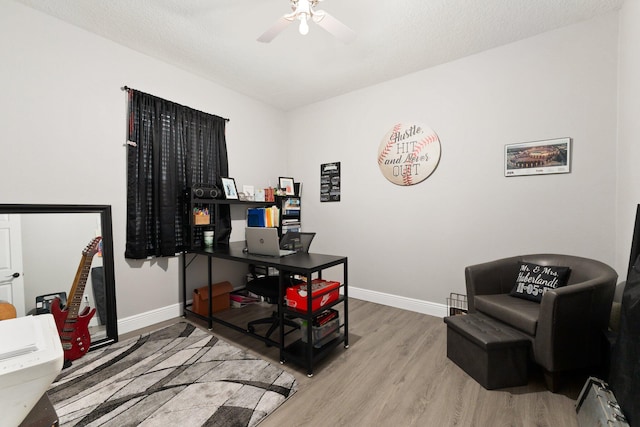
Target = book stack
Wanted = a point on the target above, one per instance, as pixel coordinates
(291, 206)
(290, 225)
(290, 215)
(242, 298)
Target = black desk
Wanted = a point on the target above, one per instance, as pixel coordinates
(304, 264)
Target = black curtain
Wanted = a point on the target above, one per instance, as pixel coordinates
(624, 375)
(171, 147)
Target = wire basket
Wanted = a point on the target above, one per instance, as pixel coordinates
(457, 304)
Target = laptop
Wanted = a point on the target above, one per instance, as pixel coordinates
(265, 241)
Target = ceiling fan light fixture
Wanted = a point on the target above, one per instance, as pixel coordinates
(304, 25)
(303, 11)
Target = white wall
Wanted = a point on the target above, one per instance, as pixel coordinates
(415, 241)
(628, 185)
(63, 121)
(407, 243)
(52, 246)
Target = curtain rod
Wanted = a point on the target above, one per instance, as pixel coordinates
(127, 88)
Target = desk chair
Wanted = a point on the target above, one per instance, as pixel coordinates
(267, 286)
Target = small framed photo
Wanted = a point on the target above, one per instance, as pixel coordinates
(287, 185)
(249, 191)
(538, 157)
(230, 191)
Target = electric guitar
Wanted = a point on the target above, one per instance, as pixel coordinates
(73, 327)
(7, 310)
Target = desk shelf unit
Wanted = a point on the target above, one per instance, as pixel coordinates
(289, 215)
(302, 264)
(303, 352)
(194, 232)
(300, 352)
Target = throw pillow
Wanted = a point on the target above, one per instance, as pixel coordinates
(534, 280)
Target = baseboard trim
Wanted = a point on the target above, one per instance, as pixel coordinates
(404, 303)
(149, 318)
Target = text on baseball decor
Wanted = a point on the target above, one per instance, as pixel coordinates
(408, 153)
(407, 162)
(397, 136)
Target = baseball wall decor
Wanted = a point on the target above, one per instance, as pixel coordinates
(409, 153)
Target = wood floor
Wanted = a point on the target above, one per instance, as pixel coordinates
(396, 373)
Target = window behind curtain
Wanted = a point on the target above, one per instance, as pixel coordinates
(171, 147)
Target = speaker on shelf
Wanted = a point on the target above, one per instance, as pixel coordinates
(208, 191)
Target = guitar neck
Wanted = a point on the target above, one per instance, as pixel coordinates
(77, 290)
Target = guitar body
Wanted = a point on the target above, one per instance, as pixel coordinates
(73, 325)
(59, 315)
(74, 333)
(7, 310)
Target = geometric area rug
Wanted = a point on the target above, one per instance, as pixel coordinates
(177, 376)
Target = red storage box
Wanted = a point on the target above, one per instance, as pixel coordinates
(297, 295)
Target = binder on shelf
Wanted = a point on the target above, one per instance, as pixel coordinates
(273, 216)
(263, 217)
(256, 217)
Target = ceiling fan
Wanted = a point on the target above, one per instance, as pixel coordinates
(303, 10)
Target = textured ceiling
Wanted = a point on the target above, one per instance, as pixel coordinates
(216, 39)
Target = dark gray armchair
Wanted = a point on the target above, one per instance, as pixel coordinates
(567, 327)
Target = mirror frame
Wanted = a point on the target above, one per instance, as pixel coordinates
(107, 255)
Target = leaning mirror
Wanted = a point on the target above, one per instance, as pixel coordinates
(64, 251)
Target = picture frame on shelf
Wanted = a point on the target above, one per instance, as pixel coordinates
(249, 191)
(287, 184)
(230, 190)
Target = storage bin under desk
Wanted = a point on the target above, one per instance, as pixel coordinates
(320, 335)
(219, 296)
(323, 293)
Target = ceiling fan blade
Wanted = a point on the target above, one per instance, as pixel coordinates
(333, 26)
(275, 29)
